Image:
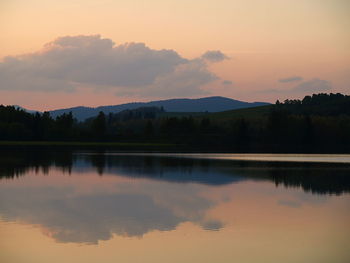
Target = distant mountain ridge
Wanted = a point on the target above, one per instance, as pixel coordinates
(210, 104)
(21, 108)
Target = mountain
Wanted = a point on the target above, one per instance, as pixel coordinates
(209, 104)
(21, 108)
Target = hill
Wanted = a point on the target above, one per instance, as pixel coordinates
(26, 110)
(251, 113)
(209, 104)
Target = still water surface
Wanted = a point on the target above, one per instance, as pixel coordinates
(107, 207)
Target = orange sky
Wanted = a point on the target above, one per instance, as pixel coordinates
(266, 41)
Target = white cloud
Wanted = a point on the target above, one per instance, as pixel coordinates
(92, 61)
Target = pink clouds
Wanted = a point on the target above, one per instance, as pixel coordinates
(94, 62)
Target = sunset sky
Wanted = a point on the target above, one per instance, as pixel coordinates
(66, 53)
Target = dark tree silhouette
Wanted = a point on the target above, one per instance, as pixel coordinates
(99, 125)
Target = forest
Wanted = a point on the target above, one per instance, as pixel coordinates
(319, 123)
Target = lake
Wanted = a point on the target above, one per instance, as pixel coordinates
(75, 206)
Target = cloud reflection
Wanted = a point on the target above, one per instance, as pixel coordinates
(70, 216)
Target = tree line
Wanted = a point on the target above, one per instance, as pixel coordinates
(317, 123)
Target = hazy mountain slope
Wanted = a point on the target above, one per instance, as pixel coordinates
(21, 108)
(210, 104)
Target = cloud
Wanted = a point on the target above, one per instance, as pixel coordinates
(314, 85)
(306, 87)
(213, 225)
(226, 82)
(214, 56)
(291, 79)
(87, 218)
(185, 79)
(91, 61)
(300, 199)
(70, 215)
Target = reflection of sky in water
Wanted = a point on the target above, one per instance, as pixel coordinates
(210, 206)
(127, 208)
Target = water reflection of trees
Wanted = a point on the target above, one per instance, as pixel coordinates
(314, 178)
(17, 163)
